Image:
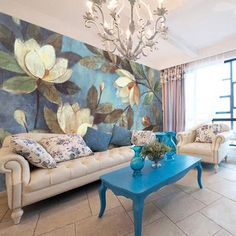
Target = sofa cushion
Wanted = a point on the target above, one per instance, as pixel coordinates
(142, 137)
(121, 136)
(97, 140)
(33, 152)
(196, 148)
(66, 147)
(206, 133)
(79, 167)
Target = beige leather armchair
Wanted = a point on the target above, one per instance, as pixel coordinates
(213, 152)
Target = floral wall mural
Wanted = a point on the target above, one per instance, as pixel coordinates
(52, 83)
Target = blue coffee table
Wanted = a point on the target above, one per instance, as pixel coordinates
(122, 183)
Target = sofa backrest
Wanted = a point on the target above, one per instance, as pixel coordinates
(35, 136)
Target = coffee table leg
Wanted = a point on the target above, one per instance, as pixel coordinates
(199, 175)
(138, 215)
(102, 195)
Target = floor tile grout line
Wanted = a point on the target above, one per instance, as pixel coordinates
(216, 223)
(89, 202)
(126, 211)
(234, 200)
(212, 222)
(4, 215)
(220, 196)
(171, 220)
(198, 211)
(36, 223)
(71, 223)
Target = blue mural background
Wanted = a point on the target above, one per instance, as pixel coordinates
(106, 88)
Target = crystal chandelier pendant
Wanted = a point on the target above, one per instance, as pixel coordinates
(140, 35)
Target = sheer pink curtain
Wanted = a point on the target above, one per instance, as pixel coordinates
(172, 80)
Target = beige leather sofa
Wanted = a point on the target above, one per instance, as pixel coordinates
(25, 186)
(213, 152)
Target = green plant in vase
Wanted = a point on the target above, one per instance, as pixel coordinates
(155, 152)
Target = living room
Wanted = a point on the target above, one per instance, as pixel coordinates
(117, 117)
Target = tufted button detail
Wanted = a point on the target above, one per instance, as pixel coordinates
(42, 178)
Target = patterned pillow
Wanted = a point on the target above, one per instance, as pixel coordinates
(33, 152)
(66, 147)
(142, 137)
(206, 133)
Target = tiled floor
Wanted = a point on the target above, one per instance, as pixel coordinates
(179, 209)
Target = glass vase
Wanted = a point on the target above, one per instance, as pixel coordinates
(137, 162)
(156, 164)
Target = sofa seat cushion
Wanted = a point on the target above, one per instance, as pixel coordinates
(65, 171)
(197, 148)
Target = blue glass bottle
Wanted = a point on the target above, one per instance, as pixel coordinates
(137, 162)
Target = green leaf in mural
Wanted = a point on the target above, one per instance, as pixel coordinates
(123, 122)
(92, 98)
(125, 65)
(20, 85)
(130, 117)
(72, 57)
(8, 62)
(148, 98)
(94, 50)
(3, 135)
(151, 77)
(55, 40)
(34, 32)
(149, 128)
(49, 91)
(51, 121)
(108, 67)
(112, 58)
(104, 108)
(99, 118)
(114, 116)
(93, 62)
(157, 87)
(68, 88)
(20, 118)
(138, 70)
(156, 114)
(146, 121)
(7, 38)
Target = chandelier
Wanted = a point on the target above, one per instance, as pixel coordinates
(134, 39)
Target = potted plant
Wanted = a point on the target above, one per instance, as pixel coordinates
(155, 152)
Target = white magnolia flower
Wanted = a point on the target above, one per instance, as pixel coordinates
(41, 62)
(74, 120)
(127, 87)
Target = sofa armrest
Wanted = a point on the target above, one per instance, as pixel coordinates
(185, 137)
(17, 173)
(220, 139)
(12, 163)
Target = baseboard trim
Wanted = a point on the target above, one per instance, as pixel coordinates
(3, 194)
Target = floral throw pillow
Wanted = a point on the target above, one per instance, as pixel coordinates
(66, 147)
(33, 152)
(206, 133)
(142, 137)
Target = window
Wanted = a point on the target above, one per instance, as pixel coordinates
(207, 91)
(226, 110)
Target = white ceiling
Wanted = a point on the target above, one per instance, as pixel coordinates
(198, 28)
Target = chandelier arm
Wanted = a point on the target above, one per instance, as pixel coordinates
(113, 36)
(94, 23)
(99, 8)
(122, 47)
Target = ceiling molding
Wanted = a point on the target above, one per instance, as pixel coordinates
(183, 46)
